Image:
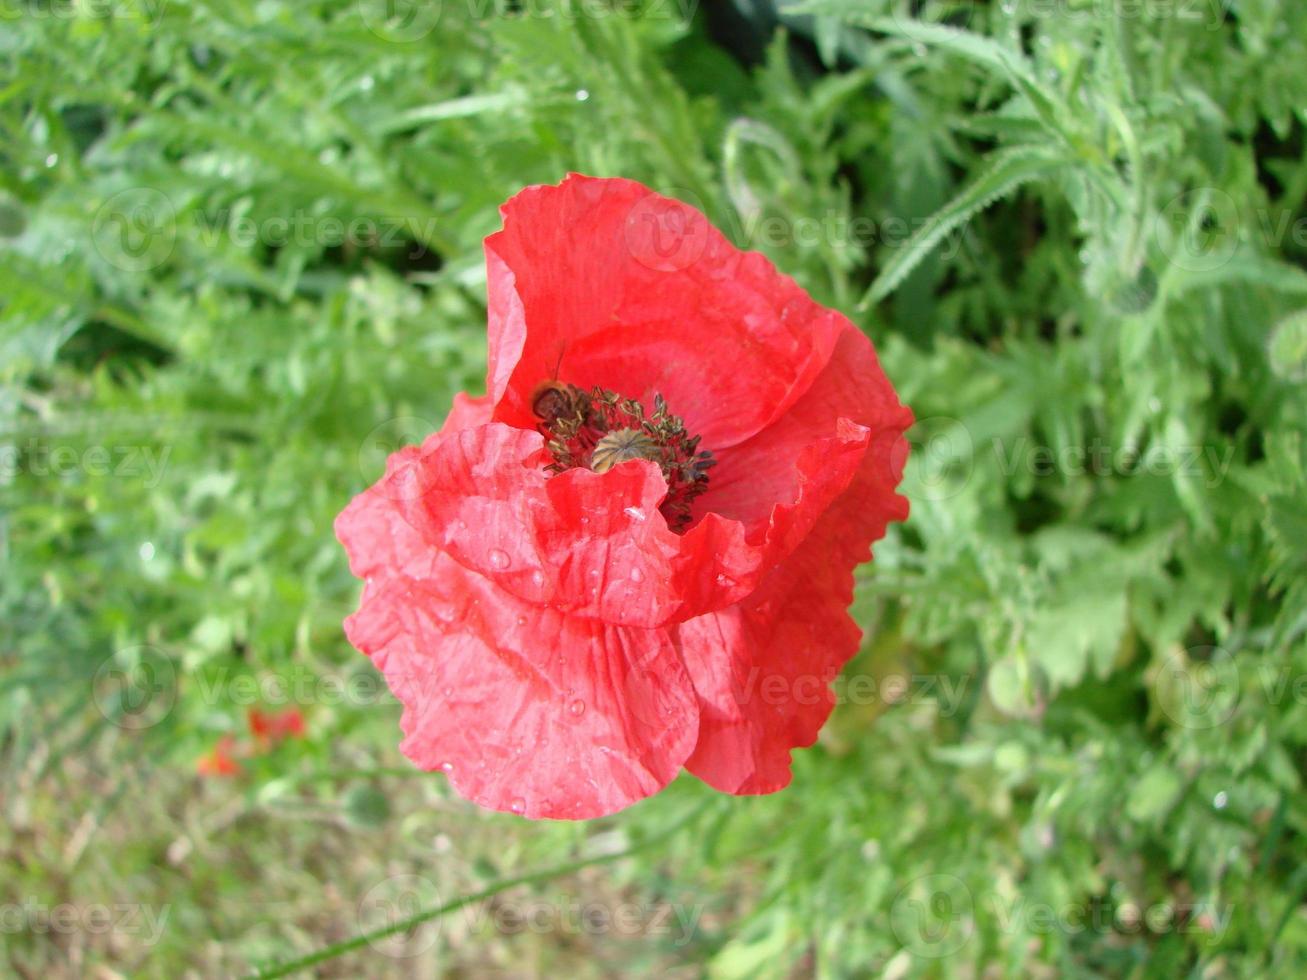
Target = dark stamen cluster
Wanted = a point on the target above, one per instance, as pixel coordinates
(598, 429)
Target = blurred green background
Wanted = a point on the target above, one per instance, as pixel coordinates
(240, 261)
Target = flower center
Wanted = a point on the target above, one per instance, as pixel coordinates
(598, 429)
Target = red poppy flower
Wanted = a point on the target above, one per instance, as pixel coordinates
(219, 761)
(635, 553)
(272, 726)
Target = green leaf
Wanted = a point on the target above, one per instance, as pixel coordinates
(1287, 348)
(1005, 174)
(1154, 794)
(366, 806)
(980, 50)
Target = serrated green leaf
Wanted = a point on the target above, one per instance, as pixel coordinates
(1008, 172)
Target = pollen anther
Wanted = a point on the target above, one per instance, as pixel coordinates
(599, 429)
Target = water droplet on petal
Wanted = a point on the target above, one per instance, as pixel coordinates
(521, 620)
(725, 581)
(446, 767)
(577, 708)
(537, 578)
(635, 513)
(518, 805)
(636, 574)
(498, 558)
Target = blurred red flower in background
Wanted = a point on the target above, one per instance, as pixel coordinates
(636, 551)
(267, 727)
(219, 761)
(273, 726)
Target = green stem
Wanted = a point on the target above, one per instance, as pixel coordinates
(338, 774)
(531, 878)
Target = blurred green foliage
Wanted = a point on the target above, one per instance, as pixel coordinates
(241, 261)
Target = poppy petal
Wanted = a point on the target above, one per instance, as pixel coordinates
(526, 709)
(751, 477)
(763, 668)
(467, 413)
(595, 543)
(377, 537)
(604, 282)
